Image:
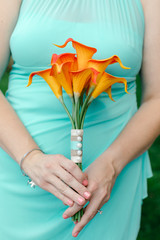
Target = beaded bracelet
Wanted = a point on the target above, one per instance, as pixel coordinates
(25, 155)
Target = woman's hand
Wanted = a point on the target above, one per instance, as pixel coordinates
(101, 178)
(57, 175)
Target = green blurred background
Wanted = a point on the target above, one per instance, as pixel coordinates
(150, 221)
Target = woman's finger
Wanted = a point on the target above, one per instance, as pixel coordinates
(73, 169)
(65, 189)
(73, 183)
(90, 212)
(50, 188)
(70, 211)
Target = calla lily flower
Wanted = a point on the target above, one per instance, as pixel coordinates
(52, 82)
(101, 65)
(93, 81)
(62, 74)
(82, 78)
(84, 53)
(62, 58)
(105, 82)
(61, 66)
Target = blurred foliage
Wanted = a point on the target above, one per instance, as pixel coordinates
(4, 82)
(150, 221)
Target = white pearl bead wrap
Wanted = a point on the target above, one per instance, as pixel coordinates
(76, 145)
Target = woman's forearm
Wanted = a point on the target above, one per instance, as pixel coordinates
(14, 137)
(137, 136)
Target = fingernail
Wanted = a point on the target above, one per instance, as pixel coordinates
(87, 194)
(85, 182)
(70, 202)
(65, 216)
(76, 222)
(81, 200)
(75, 234)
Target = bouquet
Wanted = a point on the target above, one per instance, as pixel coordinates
(83, 79)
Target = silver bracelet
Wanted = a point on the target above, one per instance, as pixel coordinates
(25, 155)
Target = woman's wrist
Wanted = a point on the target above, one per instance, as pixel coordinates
(114, 159)
(30, 158)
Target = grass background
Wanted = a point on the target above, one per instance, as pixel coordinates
(150, 221)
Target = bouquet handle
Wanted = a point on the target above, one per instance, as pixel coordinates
(76, 156)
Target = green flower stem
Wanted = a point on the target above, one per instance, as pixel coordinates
(90, 100)
(83, 107)
(87, 99)
(79, 214)
(73, 108)
(81, 97)
(66, 109)
(83, 117)
(77, 99)
(82, 121)
(79, 105)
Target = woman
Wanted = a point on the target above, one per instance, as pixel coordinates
(116, 135)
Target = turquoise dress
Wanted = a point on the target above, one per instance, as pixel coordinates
(113, 27)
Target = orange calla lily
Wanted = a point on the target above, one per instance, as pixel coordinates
(63, 76)
(62, 58)
(93, 81)
(79, 79)
(84, 53)
(82, 78)
(52, 82)
(105, 82)
(101, 65)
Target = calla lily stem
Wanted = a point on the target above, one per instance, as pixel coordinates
(73, 108)
(83, 111)
(77, 106)
(66, 109)
(83, 117)
(79, 214)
